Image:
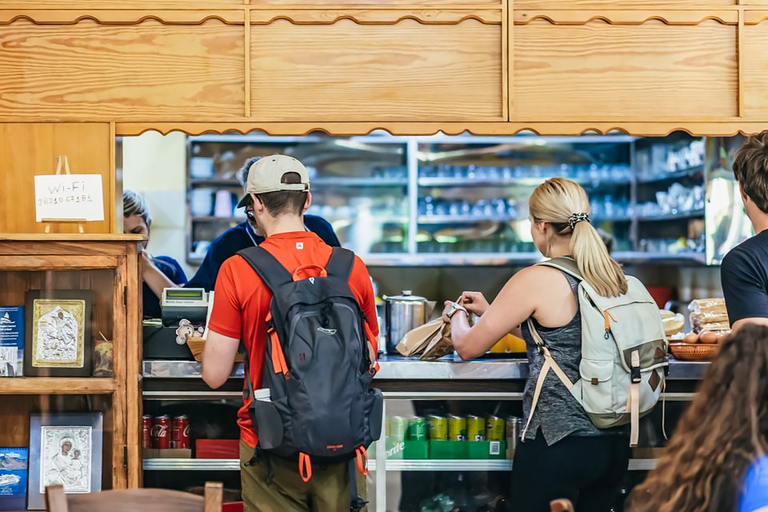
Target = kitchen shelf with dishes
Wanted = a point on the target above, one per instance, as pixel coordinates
(395, 200)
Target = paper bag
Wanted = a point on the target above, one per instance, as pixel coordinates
(440, 344)
(417, 339)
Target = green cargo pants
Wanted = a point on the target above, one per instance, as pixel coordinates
(326, 491)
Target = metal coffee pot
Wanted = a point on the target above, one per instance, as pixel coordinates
(403, 313)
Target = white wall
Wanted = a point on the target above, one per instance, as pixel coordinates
(154, 165)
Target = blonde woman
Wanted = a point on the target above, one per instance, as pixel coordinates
(563, 454)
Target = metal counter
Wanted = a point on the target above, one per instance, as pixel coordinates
(402, 368)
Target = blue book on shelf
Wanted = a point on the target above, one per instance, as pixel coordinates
(11, 341)
(13, 478)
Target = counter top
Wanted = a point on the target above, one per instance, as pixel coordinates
(401, 368)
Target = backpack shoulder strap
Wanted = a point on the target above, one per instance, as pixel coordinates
(271, 271)
(341, 263)
(564, 264)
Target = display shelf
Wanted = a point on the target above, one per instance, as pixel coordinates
(360, 182)
(191, 465)
(57, 386)
(462, 219)
(214, 182)
(450, 259)
(378, 219)
(392, 465)
(672, 216)
(691, 171)
(658, 257)
(523, 181)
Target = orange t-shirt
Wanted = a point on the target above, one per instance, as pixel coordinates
(241, 301)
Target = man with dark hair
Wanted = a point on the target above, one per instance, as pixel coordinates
(744, 271)
(277, 192)
(246, 235)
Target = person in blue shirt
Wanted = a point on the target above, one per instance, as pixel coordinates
(716, 459)
(243, 236)
(157, 271)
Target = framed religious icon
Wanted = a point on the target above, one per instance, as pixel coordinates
(58, 333)
(66, 449)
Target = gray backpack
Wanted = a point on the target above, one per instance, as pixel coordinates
(318, 368)
(623, 354)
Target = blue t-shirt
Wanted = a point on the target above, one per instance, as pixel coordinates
(173, 271)
(241, 237)
(755, 493)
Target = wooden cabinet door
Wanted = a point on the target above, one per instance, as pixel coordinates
(651, 71)
(149, 70)
(346, 71)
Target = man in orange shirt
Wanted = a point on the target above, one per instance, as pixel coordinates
(278, 191)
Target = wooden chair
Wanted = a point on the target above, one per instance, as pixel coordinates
(561, 506)
(131, 500)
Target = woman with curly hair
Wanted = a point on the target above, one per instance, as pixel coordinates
(717, 459)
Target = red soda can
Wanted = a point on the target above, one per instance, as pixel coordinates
(146, 431)
(161, 433)
(180, 432)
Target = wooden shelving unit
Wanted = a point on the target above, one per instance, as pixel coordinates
(107, 266)
(58, 386)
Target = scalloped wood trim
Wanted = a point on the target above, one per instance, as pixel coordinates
(724, 17)
(755, 17)
(255, 4)
(122, 17)
(649, 129)
(376, 16)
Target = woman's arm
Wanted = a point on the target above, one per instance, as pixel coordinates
(515, 303)
(154, 278)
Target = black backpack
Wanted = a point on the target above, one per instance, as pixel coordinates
(317, 367)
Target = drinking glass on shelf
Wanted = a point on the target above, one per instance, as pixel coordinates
(663, 200)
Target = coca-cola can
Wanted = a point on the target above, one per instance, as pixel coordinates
(161, 432)
(180, 432)
(146, 431)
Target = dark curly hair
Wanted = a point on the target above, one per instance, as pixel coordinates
(750, 166)
(719, 436)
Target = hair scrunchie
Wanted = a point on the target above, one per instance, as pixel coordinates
(575, 218)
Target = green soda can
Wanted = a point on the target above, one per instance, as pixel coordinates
(457, 428)
(398, 428)
(417, 429)
(438, 428)
(494, 428)
(475, 428)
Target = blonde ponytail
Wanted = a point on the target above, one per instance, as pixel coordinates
(564, 205)
(597, 267)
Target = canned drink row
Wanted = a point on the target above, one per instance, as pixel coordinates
(161, 433)
(452, 428)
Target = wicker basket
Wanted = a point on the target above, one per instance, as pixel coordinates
(693, 352)
(196, 346)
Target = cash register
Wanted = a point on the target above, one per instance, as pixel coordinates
(180, 306)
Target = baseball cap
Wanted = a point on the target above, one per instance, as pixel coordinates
(266, 175)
